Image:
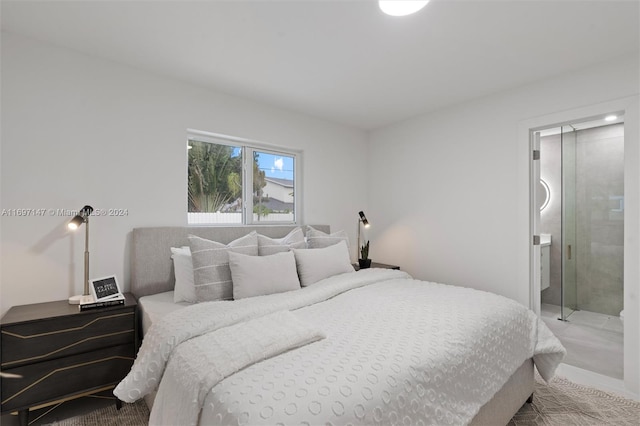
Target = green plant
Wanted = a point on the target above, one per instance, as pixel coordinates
(364, 251)
(262, 210)
(213, 176)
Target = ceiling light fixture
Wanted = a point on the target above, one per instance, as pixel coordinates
(610, 117)
(401, 7)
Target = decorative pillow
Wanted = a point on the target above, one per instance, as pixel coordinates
(211, 273)
(261, 275)
(268, 246)
(184, 290)
(319, 239)
(317, 264)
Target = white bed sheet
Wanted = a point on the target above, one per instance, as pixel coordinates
(157, 306)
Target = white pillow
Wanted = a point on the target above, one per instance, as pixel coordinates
(268, 246)
(184, 290)
(317, 264)
(211, 273)
(261, 275)
(319, 239)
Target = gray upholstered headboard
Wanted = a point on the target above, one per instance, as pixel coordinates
(151, 265)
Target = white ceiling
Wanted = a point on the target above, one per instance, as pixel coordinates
(344, 61)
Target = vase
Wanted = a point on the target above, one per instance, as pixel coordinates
(364, 263)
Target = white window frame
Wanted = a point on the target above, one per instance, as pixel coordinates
(248, 147)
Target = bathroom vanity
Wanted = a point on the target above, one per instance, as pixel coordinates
(545, 258)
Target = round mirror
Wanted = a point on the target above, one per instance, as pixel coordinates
(543, 194)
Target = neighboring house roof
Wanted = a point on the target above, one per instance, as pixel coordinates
(277, 205)
(287, 183)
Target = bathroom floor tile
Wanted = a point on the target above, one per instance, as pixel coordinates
(549, 310)
(556, 326)
(592, 319)
(614, 324)
(593, 341)
(593, 336)
(607, 360)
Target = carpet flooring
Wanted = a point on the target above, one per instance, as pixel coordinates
(560, 403)
(564, 403)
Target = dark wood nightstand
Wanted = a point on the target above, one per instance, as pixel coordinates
(377, 265)
(62, 353)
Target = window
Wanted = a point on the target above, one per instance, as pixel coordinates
(234, 181)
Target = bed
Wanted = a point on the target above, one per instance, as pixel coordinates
(366, 347)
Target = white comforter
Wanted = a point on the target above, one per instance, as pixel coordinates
(397, 351)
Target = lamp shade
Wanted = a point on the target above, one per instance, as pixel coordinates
(363, 219)
(75, 222)
(80, 218)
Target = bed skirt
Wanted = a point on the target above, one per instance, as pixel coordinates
(508, 400)
(499, 410)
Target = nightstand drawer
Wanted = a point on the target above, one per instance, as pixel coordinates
(43, 340)
(46, 381)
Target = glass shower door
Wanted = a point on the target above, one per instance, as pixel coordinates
(569, 295)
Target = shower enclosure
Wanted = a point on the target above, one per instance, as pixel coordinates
(586, 221)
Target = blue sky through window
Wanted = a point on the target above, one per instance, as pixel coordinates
(274, 165)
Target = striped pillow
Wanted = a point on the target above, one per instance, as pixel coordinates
(211, 273)
(319, 239)
(268, 246)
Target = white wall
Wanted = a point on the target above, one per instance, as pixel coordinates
(80, 130)
(451, 187)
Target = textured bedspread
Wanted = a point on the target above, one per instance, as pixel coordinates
(397, 351)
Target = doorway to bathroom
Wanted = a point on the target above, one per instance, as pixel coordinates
(581, 224)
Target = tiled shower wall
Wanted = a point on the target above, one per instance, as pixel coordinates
(599, 217)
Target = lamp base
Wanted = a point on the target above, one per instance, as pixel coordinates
(80, 299)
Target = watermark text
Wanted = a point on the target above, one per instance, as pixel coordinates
(26, 212)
